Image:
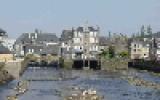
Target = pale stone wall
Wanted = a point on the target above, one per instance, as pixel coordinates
(13, 68)
(6, 57)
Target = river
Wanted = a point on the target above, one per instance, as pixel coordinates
(48, 84)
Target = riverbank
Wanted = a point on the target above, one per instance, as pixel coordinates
(153, 66)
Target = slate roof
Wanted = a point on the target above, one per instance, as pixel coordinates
(2, 31)
(92, 29)
(52, 49)
(41, 37)
(4, 50)
(89, 28)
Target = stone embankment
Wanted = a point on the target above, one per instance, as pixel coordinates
(114, 64)
(13, 68)
(4, 75)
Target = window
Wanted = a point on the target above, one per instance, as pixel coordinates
(32, 50)
(29, 50)
(134, 50)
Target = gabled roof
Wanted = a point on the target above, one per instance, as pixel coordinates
(41, 37)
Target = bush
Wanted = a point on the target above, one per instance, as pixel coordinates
(124, 54)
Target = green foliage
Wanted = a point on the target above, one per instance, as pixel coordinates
(111, 51)
(103, 53)
(124, 54)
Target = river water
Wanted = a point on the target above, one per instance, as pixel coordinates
(53, 84)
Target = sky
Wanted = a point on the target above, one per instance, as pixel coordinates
(122, 16)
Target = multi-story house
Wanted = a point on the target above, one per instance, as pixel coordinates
(140, 50)
(36, 43)
(80, 43)
(85, 43)
(5, 41)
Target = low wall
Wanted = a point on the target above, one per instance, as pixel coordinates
(153, 66)
(114, 64)
(13, 68)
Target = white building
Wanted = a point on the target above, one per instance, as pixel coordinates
(5, 41)
(140, 50)
(85, 43)
(9, 43)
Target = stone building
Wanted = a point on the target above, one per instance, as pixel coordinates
(140, 50)
(6, 41)
(85, 42)
(36, 43)
(80, 43)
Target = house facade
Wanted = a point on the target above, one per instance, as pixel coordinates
(5, 41)
(140, 50)
(36, 43)
(80, 43)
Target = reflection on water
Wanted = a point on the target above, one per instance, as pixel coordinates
(52, 84)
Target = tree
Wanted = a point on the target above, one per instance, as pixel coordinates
(149, 30)
(133, 36)
(142, 31)
(111, 51)
(109, 35)
(103, 53)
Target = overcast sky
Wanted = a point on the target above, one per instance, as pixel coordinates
(125, 16)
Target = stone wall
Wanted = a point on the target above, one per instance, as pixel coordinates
(13, 68)
(6, 57)
(114, 64)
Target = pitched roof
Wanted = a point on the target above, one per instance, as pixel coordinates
(52, 49)
(41, 37)
(2, 31)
